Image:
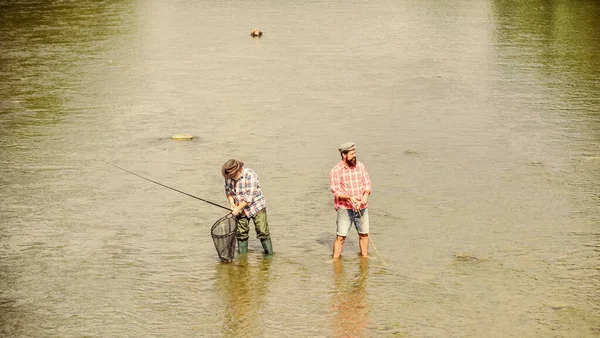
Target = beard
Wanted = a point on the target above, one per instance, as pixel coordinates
(352, 162)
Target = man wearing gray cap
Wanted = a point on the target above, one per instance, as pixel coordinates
(351, 186)
(246, 201)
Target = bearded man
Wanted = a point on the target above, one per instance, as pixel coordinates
(351, 186)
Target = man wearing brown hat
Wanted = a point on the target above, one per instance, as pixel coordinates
(246, 201)
(351, 186)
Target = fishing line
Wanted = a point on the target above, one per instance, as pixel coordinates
(370, 238)
(166, 186)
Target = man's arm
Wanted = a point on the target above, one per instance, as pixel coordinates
(231, 201)
(248, 189)
(236, 210)
(367, 184)
(229, 195)
(336, 188)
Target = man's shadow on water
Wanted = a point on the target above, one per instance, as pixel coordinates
(349, 298)
(244, 285)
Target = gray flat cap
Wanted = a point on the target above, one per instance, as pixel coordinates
(346, 147)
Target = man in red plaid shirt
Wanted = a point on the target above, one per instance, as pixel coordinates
(351, 186)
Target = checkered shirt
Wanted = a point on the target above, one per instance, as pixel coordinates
(247, 189)
(344, 180)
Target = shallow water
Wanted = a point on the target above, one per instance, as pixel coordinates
(477, 120)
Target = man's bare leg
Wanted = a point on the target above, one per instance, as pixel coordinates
(363, 243)
(338, 245)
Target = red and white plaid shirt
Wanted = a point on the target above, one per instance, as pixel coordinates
(247, 189)
(344, 180)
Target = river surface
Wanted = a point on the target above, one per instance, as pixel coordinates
(478, 120)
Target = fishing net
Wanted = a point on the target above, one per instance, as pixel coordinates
(223, 235)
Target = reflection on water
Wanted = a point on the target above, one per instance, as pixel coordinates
(349, 299)
(43, 43)
(555, 44)
(551, 48)
(244, 285)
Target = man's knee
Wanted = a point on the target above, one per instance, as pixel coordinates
(340, 239)
(262, 229)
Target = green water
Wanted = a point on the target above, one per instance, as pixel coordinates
(477, 120)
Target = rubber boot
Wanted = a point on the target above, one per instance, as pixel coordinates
(267, 246)
(242, 246)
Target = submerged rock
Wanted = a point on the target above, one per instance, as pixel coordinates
(463, 257)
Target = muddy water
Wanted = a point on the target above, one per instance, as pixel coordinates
(478, 122)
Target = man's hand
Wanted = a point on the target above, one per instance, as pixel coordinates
(355, 203)
(364, 200)
(238, 208)
(232, 202)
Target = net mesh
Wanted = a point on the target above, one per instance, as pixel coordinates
(223, 235)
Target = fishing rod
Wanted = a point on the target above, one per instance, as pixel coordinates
(166, 186)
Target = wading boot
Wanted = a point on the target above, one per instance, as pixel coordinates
(242, 246)
(267, 246)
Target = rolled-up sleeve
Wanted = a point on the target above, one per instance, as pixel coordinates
(228, 191)
(334, 183)
(367, 179)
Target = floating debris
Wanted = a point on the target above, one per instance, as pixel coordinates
(411, 152)
(463, 257)
(182, 137)
(560, 306)
(256, 33)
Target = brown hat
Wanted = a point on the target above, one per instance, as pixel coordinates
(231, 167)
